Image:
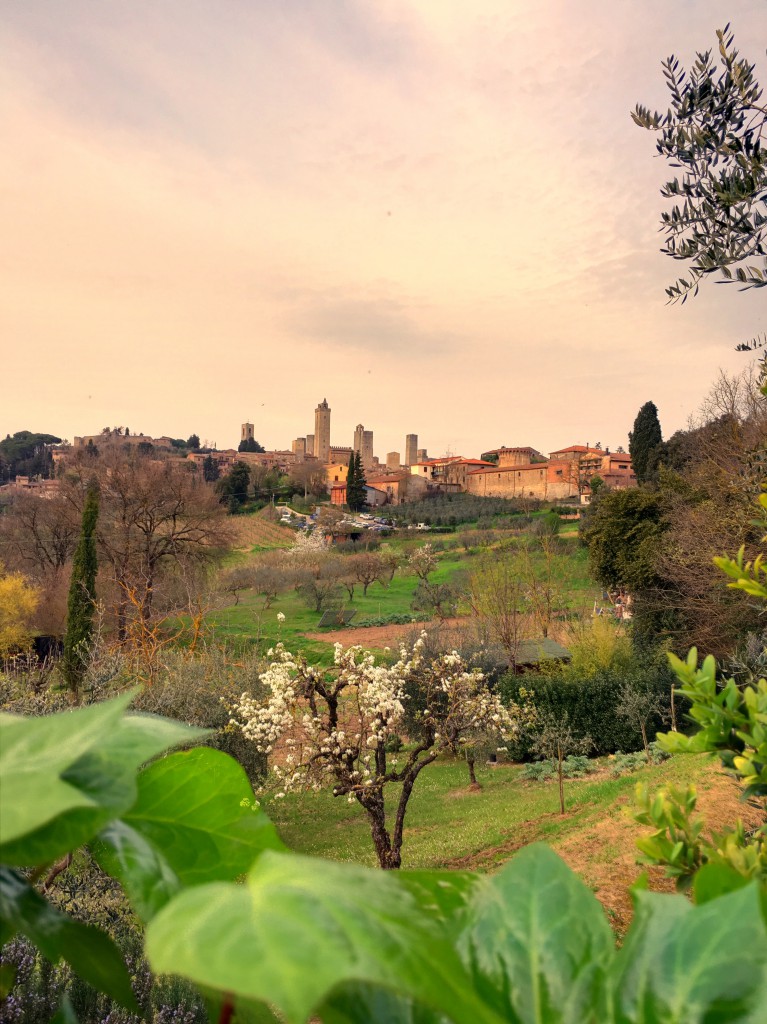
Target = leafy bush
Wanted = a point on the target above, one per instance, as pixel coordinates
(625, 764)
(575, 766)
(590, 703)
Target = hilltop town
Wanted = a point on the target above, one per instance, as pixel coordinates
(568, 475)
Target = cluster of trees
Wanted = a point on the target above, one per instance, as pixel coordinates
(696, 497)
(250, 444)
(255, 485)
(26, 453)
(159, 526)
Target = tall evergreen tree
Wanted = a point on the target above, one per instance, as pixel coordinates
(210, 470)
(81, 602)
(355, 483)
(361, 481)
(643, 439)
(351, 484)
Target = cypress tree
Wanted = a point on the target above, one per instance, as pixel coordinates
(351, 483)
(360, 481)
(643, 439)
(81, 602)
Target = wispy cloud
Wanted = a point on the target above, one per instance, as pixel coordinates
(231, 196)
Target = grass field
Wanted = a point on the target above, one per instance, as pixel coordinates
(248, 623)
(448, 825)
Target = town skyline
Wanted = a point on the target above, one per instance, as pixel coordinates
(445, 216)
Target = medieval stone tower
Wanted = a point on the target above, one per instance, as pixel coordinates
(411, 449)
(246, 432)
(322, 431)
(363, 443)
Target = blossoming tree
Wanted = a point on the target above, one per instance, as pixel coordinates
(331, 728)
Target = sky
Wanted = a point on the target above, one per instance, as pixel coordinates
(437, 214)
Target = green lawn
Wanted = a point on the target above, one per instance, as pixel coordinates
(445, 822)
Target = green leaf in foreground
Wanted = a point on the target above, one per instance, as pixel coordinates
(300, 928)
(537, 942)
(35, 752)
(194, 821)
(103, 777)
(357, 1003)
(683, 964)
(89, 951)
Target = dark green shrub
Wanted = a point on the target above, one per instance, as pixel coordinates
(590, 704)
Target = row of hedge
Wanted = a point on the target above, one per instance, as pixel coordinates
(591, 705)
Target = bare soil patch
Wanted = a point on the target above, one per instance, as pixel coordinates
(378, 636)
(604, 853)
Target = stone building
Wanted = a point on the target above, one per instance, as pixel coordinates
(299, 447)
(544, 481)
(310, 444)
(247, 432)
(522, 456)
(113, 437)
(322, 431)
(392, 460)
(338, 453)
(565, 476)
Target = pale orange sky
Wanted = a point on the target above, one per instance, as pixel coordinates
(437, 214)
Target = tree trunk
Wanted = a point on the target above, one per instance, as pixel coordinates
(643, 727)
(561, 783)
(388, 858)
(472, 774)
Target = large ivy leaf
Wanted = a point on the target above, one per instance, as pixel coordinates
(145, 874)
(34, 754)
(683, 964)
(89, 951)
(443, 894)
(302, 927)
(537, 943)
(103, 777)
(197, 810)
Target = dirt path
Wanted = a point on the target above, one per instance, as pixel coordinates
(379, 636)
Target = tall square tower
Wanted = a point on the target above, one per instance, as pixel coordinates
(411, 449)
(322, 431)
